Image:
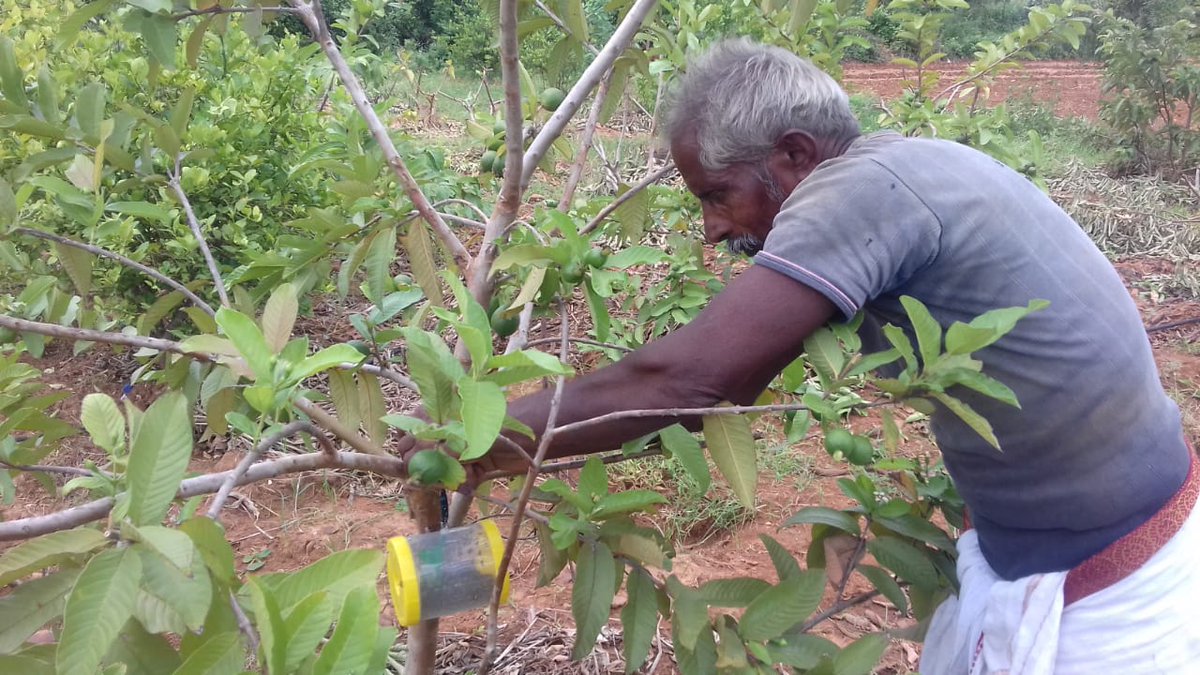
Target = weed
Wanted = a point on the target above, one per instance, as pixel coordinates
(256, 561)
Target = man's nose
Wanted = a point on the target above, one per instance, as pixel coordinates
(716, 228)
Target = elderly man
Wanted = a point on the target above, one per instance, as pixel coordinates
(1081, 559)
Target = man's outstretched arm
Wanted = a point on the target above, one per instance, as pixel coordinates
(730, 352)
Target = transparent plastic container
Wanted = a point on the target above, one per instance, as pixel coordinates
(444, 572)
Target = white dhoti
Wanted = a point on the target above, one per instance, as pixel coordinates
(1146, 623)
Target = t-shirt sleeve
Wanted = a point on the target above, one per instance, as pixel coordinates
(853, 230)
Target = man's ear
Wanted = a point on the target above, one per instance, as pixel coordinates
(794, 156)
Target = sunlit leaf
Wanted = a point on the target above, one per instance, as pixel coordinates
(31, 605)
(48, 550)
(158, 459)
(103, 421)
(731, 445)
(279, 316)
(99, 604)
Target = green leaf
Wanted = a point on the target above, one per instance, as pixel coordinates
(47, 95)
(89, 109)
(732, 448)
(927, 329)
(279, 316)
(825, 353)
(142, 653)
(639, 618)
(98, 606)
(801, 12)
(158, 32)
(988, 327)
(304, 628)
(104, 422)
(378, 262)
(432, 373)
(553, 559)
(689, 612)
(918, 528)
(12, 81)
(601, 321)
(158, 311)
(773, 613)
(860, 657)
(814, 515)
(592, 595)
(785, 565)
(632, 215)
(344, 392)
(701, 658)
(983, 384)
(336, 574)
(483, 410)
(8, 206)
(48, 550)
(329, 357)
(182, 112)
(906, 561)
(348, 651)
(593, 479)
(249, 340)
(885, 584)
(171, 544)
(219, 655)
(159, 457)
(635, 255)
(622, 503)
(902, 344)
(968, 415)
(214, 548)
(70, 27)
(269, 623)
(370, 398)
(31, 605)
(422, 259)
(871, 362)
(171, 600)
(682, 445)
(802, 651)
(735, 592)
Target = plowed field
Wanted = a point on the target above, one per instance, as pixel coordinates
(1071, 87)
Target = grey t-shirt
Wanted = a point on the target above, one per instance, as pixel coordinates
(1097, 445)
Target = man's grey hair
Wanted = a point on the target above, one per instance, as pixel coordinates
(740, 97)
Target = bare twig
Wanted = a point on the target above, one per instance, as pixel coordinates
(642, 184)
(217, 9)
(581, 341)
(132, 264)
(585, 143)
(837, 608)
(531, 514)
(194, 225)
(243, 623)
(553, 128)
(24, 528)
(88, 335)
(214, 511)
(681, 412)
(562, 25)
(1173, 324)
(335, 426)
(43, 468)
(312, 17)
(385, 373)
(522, 502)
(616, 458)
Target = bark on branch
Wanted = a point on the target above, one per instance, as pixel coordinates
(24, 528)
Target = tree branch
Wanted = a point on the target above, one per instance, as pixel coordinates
(837, 608)
(217, 9)
(681, 412)
(581, 341)
(88, 335)
(523, 500)
(25, 528)
(194, 225)
(310, 13)
(553, 128)
(43, 468)
(644, 183)
(214, 511)
(133, 264)
(585, 143)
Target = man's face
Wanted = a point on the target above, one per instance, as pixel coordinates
(739, 203)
